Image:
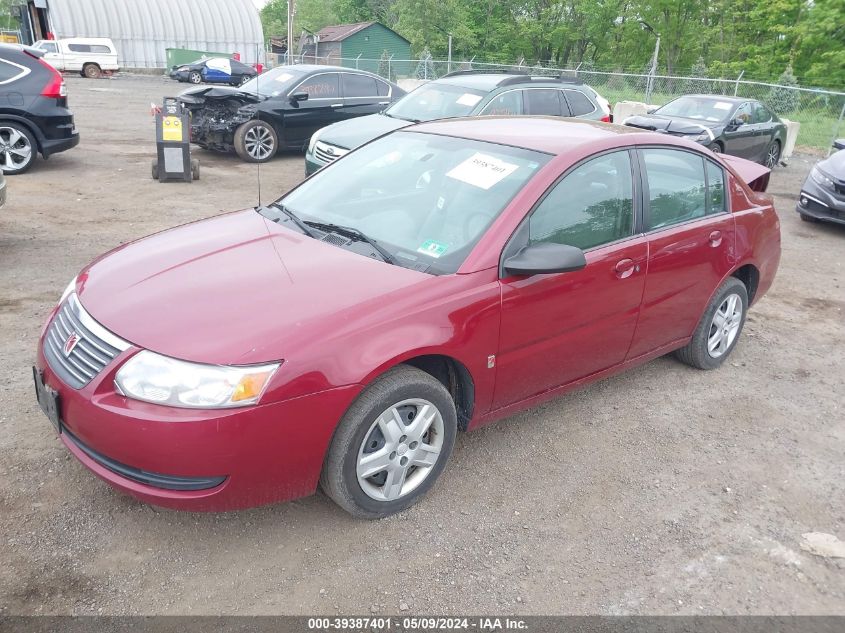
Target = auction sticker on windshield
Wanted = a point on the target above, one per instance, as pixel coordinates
(723, 105)
(432, 248)
(468, 99)
(482, 171)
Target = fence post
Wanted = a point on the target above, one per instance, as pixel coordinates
(836, 130)
(736, 84)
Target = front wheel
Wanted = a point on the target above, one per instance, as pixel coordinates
(256, 141)
(715, 147)
(391, 445)
(719, 329)
(195, 77)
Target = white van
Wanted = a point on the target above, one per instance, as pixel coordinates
(89, 56)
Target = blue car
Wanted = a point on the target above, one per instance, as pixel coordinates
(214, 70)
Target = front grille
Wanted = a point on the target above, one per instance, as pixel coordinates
(90, 347)
(328, 153)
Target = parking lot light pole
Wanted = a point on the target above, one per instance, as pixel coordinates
(650, 82)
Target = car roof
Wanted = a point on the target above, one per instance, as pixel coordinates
(552, 135)
(489, 81)
(730, 99)
(20, 48)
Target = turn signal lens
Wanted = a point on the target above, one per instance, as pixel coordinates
(251, 386)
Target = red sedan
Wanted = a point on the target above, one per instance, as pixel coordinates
(431, 281)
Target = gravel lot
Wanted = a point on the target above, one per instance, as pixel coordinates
(665, 490)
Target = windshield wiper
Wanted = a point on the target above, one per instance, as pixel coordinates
(302, 226)
(402, 118)
(354, 234)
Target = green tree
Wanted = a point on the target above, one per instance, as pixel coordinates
(784, 98)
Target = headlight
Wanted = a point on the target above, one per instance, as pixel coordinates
(701, 136)
(70, 288)
(154, 378)
(313, 140)
(821, 179)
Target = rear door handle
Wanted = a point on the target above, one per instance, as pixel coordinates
(625, 268)
(715, 238)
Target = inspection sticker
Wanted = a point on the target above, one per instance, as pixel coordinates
(468, 99)
(432, 248)
(482, 171)
(723, 105)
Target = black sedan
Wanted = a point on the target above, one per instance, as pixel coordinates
(215, 70)
(733, 125)
(823, 193)
(282, 108)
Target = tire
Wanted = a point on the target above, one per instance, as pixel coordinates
(256, 141)
(772, 157)
(18, 148)
(155, 170)
(404, 393)
(195, 77)
(697, 352)
(195, 169)
(92, 71)
(715, 147)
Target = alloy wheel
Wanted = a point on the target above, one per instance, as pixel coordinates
(259, 142)
(725, 326)
(772, 155)
(400, 449)
(15, 150)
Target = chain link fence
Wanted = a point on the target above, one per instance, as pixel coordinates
(820, 112)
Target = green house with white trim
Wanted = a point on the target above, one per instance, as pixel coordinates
(361, 44)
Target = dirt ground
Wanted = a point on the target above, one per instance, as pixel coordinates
(662, 491)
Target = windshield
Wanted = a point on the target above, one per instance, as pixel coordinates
(700, 108)
(273, 82)
(435, 101)
(426, 199)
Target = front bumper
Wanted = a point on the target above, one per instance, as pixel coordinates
(193, 459)
(820, 203)
(312, 165)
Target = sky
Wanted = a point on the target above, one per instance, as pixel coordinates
(260, 3)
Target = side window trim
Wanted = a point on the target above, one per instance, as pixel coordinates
(23, 72)
(646, 195)
(519, 238)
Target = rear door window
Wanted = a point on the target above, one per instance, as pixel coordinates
(579, 104)
(676, 187)
(383, 88)
(761, 115)
(358, 86)
(323, 86)
(543, 101)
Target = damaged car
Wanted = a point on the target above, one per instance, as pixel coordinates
(730, 125)
(282, 108)
(823, 193)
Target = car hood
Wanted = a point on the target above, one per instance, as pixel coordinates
(671, 125)
(353, 133)
(834, 165)
(196, 96)
(234, 289)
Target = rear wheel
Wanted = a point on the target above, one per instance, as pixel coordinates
(18, 148)
(391, 445)
(773, 155)
(92, 71)
(719, 329)
(195, 77)
(256, 141)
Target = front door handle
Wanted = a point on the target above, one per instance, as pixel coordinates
(715, 238)
(625, 268)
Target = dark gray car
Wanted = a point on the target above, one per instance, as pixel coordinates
(730, 125)
(823, 193)
(459, 94)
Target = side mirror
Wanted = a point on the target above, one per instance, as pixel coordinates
(298, 96)
(735, 123)
(544, 258)
(652, 110)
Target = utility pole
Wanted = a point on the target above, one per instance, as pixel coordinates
(291, 12)
(450, 53)
(649, 86)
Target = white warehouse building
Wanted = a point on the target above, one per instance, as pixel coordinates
(142, 30)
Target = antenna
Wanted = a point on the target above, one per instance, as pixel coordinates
(258, 90)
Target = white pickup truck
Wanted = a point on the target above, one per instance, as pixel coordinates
(89, 56)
